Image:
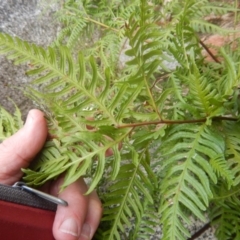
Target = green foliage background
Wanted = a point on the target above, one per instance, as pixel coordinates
(173, 131)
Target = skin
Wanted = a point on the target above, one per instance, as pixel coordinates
(83, 214)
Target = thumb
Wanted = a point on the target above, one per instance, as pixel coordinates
(17, 151)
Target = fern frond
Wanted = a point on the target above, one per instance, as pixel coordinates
(73, 18)
(146, 53)
(186, 184)
(127, 10)
(57, 70)
(202, 26)
(232, 131)
(231, 73)
(224, 213)
(71, 93)
(217, 9)
(227, 222)
(221, 168)
(202, 93)
(49, 164)
(146, 227)
(126, 196)
(82, 19)
(9, 124)
(109, 49)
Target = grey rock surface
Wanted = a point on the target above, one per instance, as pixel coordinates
(29, 21)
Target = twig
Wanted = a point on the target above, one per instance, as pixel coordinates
(159, 79)
(132, 125)
(208, 51)
(200, 231)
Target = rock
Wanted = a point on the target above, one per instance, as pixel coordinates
(32, 22)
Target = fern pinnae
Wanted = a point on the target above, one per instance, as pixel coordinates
(74, 23)
(205, 27)
(146, 224)
(54, 164)
(233, 150)
(232, 75)
(134, 93)
(227, 227)
(9, 124)
(75, 32)
(62, 71)
(87, 156)
(55, 70)
(129, 191)
(104, 93)
(128, 10)
(224, 214)
(218, 10)
(178, 184)
(220, 166)
(143, 55)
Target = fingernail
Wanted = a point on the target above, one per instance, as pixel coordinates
(70, 226)
(29, 119)
(86, 231)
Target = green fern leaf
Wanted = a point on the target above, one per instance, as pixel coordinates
(202, 93)
(49, 164)
(227, 222)
(219, 165)
(145, 228)
(233, 150)
(232, 73)
(125, 197)
(70, 93)
(225, 212)
(202, 26)
(9, 124)
(186, 184)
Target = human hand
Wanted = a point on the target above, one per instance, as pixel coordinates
(80, 219)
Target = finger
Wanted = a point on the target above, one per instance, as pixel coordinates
(93, 217)
(17, 151)
(69, 220)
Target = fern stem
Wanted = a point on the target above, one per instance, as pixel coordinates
(151, 97)
(100, 149)
(161, 78)
(132, 125)
(95, 21)
(101, 24)
(234, 193)
(87, 93)
(208, 51)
